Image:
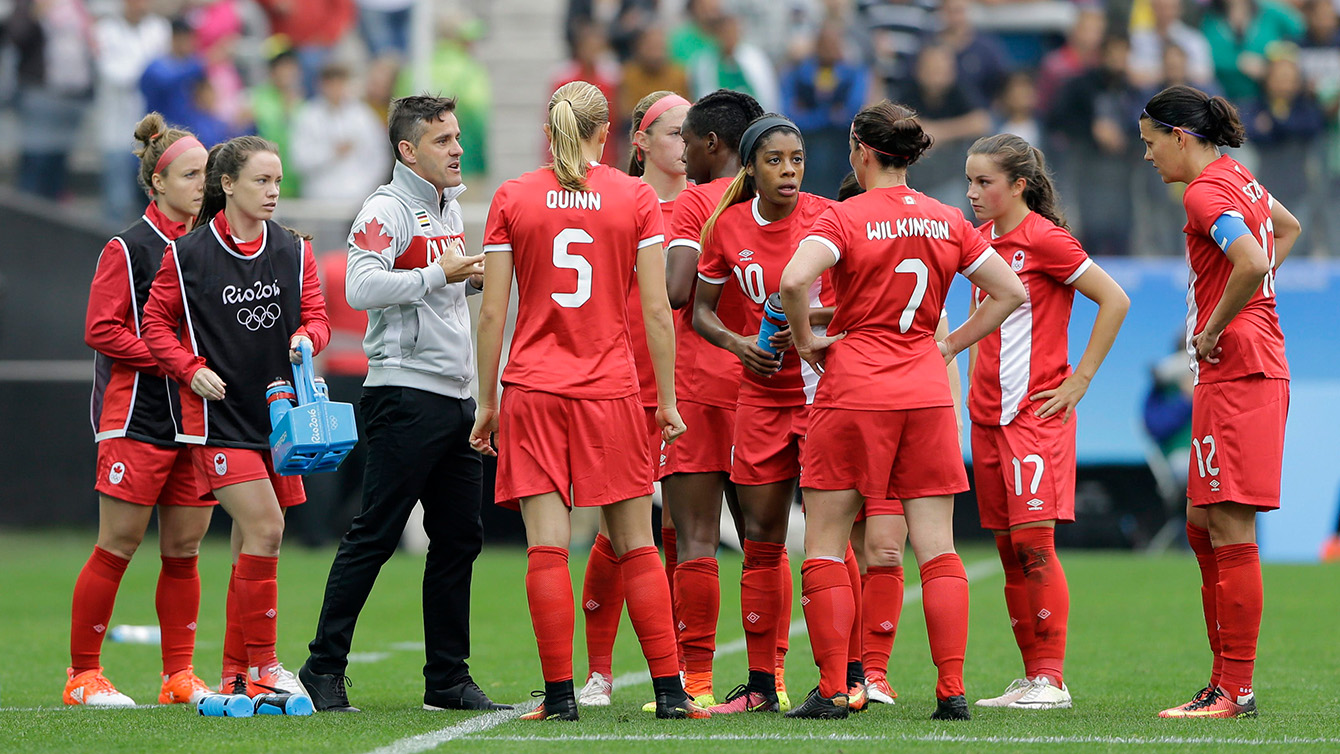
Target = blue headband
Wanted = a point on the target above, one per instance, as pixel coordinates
(1171, 127)
(758, 129)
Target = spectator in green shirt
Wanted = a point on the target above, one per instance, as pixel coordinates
(274, 105)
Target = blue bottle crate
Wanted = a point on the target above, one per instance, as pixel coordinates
(315, 435)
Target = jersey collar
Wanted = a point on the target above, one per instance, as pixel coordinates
(423, 190)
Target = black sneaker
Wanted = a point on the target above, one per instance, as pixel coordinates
(953, 708)
(465, 695)
(326, 690)
(560, 706)
(235, 685)
(818, 707)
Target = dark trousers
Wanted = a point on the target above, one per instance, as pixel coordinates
(418, 450)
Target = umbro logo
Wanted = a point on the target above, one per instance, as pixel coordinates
(1034, 504)
(190, 626)
(1044, 613)
(682, 625)
(1014, 622)
(99, 628)
(591, 605)
(752, 617)
(804, 601)
(270, 613)
(1214, 484)
(887, 625)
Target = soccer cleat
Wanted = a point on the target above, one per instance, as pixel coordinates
(183, 687)
(92, 689)
(1215, 704)
(234, 682)
(596, 692)
(563, 708)
(783, 699)
(276, 679)
(688, 709)
(698, 685)
(878, 690)
(705, 701)
(465, 695)
(857, 698)
(817, 707)
(1043, 695)
(953, 708)
(326, 689)
(744, 700)
(1017, 688)
(1199, 697)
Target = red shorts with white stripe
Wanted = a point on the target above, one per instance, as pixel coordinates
(591, 452)
(899, 454)
(217, 467)
(146, 474)
(1237, 441)
(768, 442)
(1024, 471)
(705, 446)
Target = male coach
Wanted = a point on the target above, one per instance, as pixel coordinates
(407, 271)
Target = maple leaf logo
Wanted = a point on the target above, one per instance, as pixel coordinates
(373, 237)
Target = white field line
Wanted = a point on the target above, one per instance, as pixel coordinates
(64, 707)
(941, 738)
(433, 739)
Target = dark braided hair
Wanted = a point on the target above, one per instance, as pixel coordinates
(725, 113)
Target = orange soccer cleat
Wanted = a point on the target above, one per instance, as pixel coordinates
(183, 687)
(92, 688)
(1214, 703)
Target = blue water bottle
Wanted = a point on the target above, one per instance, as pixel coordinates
(282, 704)
(225, 705)
(774, 319)
(280, 397)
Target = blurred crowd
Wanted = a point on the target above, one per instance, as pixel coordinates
(1070, 77)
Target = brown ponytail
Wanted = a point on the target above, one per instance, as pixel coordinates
(1212, 119)
(227, 159)
(1018, 159)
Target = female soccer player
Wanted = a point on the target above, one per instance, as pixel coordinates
(882, 426)
(658, 159)
(571, 428)
(1022, 397)
(140, 463)
(750, 237)
(1237, 235)
(243, 292)
(695, 472)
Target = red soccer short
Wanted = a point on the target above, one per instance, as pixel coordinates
(653, 440)
(1024, 471)
(591, 452)
(706, 444)
(217, 467)
(879, 508)
(146, 474)
(768, 440)
(1237, 441)
(899, 454)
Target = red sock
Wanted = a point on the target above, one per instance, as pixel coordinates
(882, 603)
(1209, 580)
(1017, 605)
(698, 605)
(602, 601)
(829, 611)
(670, 544)
(234, 640)
(549, 594)
(944, 598)
(649, 610)
(258, 607)
(178, 603)
(786, 593)
(759, 603)
(1048, 598)
(854, 579)
(1238, 603)
(94, 596)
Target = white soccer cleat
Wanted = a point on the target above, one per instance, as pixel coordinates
(275, 680)
(1017, 688)
(91, 688)
(1043, 695)
(596, 692)
(878, 689)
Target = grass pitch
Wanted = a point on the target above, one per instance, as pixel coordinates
(1136, 645)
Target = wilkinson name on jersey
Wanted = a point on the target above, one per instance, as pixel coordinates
(906, 227)
(572, 200)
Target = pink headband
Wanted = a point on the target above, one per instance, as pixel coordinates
(174, 151)
(659, 107)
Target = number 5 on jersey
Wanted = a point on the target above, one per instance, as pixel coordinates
(565, 260)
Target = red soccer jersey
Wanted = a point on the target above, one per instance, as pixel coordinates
(1029, 352)
(897, 251)
(637, 330)
(574, 254)
(753, 251)
(1253, 342)
(703, 372)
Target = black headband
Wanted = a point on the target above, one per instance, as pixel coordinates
(756, 131)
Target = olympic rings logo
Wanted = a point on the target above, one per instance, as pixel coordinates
(261, 317)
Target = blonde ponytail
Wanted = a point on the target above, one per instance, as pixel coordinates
(741, 189)
(576, 111)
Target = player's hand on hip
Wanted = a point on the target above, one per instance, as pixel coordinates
(481, 437)
(208, 385)
(672, 426)
(294, 355)
(1063, 397)
(459, 267)
(816, 350)
(1207, 347)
